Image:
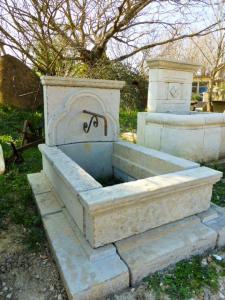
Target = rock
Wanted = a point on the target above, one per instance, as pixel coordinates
(19, 85)
(204, 262)
(9, 296)
(2, 161)
(59, 297)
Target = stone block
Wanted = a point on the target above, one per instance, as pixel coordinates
(116, 212)
(158, 248)
(218, 224)
(64, 102)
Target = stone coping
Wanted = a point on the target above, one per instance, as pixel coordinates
(201, 119)
(163, 63)
(160, 156)
(120, 195)
(70, 172)
(81, 82)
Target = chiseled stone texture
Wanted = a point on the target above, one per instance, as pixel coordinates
(116, 212)
(218, 224)
(194, 136)
(2, 161)
(87, 273)
(170, 84)
(158, 248)
(64, 102)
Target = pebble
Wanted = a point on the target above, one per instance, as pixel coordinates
(132, 290)
(204, 262)
(9, 296)
(59, 297)
(5, 289)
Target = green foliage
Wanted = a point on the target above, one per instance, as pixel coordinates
(134, 94)
(128, 121)
(186, 280)
(196, 97)
(218, 193)
(16, 201)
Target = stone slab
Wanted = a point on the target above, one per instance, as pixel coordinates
(39, 183)
(2, 161)
(86, 273)
(218, 224)
(158, 248)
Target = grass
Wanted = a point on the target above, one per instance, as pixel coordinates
(16, 201)
(186, 280)
(128, 121)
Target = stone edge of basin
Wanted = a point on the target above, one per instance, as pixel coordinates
(195, 119)
(178, 161)
(103, 199)
(163, 63)
(81, 82)
(181, 239)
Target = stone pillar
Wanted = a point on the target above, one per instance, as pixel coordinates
(170, 85)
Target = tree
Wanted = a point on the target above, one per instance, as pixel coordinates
(48, 33)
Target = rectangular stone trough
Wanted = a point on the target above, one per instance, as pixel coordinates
(154, 188)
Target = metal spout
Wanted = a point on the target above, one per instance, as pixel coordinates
(95, 121)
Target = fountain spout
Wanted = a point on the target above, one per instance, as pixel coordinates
(94, 120)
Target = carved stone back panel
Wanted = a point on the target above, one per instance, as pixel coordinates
(64, 105)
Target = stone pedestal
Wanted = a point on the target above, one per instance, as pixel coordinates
(170, 85)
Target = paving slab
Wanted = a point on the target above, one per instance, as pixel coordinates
(87, 273)
(158, 248)
(39, 183)
(2, 161)
(218, 224)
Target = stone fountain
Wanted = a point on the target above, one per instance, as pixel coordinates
(169, 126)
(114, 212)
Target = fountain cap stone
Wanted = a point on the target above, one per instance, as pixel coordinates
(171, 64)
(81, 82)
(66, 98)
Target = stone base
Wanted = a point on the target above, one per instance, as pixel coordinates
(96, 273)
(87, 273)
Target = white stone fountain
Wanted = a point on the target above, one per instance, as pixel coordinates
(169, 126)
(105, 238)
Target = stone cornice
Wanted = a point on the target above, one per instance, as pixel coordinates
(81, 82)
(162, 63)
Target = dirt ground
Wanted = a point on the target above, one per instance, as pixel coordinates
(27, 275)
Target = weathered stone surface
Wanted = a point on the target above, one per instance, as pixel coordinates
(198, 137)
(39, 183)
(169, 126)
(141, 162)
(160, 247)
(87, 273)
(2, 161)
(170, 85)
(218, 224)
(66, 98)
(113, 213)
(208, 215)
(95, 158)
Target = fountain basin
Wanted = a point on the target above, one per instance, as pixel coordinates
(157, 188)
(195, 136)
